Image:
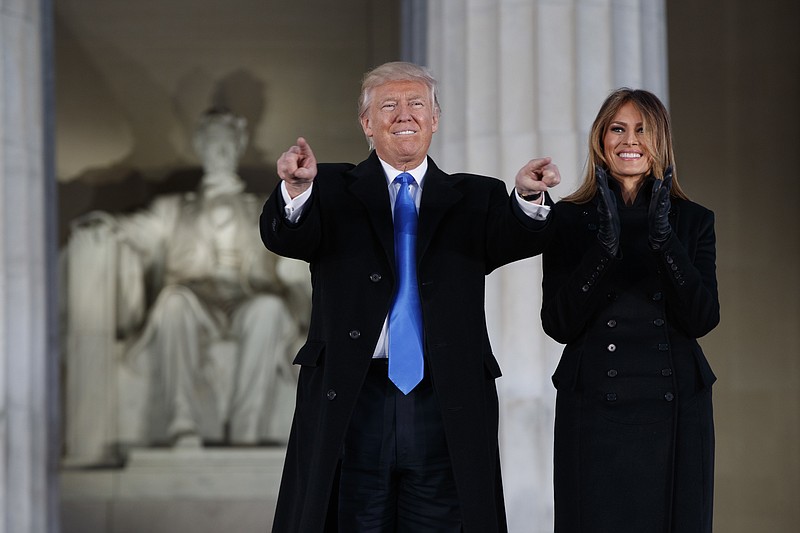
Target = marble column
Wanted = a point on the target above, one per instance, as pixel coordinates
(28, 362)
(523, 79)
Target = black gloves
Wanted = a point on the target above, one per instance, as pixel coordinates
(608, 229)
(658, 214)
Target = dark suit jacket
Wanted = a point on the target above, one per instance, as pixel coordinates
(468, 226)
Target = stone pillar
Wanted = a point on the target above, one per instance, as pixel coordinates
(523, 79)
(28, 363)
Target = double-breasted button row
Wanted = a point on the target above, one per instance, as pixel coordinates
(612, 323)
(612, 396)
(613, 372)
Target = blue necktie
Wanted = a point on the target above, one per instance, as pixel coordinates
(405, 318)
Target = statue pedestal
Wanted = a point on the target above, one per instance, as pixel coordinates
(196, 490)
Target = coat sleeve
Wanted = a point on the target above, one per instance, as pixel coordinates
(299, 240)
(689, 274)
(572, 295)
(512, 235)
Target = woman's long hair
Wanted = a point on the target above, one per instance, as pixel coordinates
(658, 142)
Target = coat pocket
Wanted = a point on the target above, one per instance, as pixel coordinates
(491, 366)
(310, 354)
(706, 374)
(566, 375)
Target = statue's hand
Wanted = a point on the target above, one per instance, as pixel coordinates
(297, 167)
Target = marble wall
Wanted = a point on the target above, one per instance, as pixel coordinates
(28, 356)
(128, 83)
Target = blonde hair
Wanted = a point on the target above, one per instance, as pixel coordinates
(658, 144)
(395, 71)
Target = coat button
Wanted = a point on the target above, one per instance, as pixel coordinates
(669, 396)
(658, 322)
(657, 296)
(612, 373)
(666, 372)
(612, 347)
(375, 277)
(355, 334)
(612, 323)
(663, 347)
(611, 397)
(669, 259)
(585, 288)
(331, 394)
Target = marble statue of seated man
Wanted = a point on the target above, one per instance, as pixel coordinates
(191, 271)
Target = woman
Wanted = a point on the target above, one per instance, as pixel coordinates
(629, 285)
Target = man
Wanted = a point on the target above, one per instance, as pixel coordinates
(369, 450)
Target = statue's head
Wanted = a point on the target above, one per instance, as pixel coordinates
(220, 139)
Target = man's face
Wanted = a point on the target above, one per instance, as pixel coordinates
(401, 120)
(218, 149)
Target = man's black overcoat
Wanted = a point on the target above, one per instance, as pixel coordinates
(468, 226)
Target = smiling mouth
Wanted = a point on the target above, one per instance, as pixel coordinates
(404, 132)
(629, 155)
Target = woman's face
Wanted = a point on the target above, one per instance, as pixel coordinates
(624, 145)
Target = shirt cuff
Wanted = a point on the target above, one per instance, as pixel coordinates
(294, 207)
(534, 211)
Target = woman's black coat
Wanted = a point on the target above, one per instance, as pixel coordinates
(634, 440)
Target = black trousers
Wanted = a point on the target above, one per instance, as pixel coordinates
(395, 473)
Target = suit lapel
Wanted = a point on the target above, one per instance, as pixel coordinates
(368, 185)
(438, 196)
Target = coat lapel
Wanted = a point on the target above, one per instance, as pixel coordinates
(368, 184)
(438, 196)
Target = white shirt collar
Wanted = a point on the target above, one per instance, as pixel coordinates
(418, 173)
